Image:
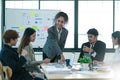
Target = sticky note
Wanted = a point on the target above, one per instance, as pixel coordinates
(45, 28)
(21, 27)
(32, 14)
(35, 27)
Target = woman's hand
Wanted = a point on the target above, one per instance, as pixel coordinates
(32, 74)
(47, 60)
(24, 52)
(62, 58)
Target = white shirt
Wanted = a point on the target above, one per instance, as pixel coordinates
(59, 33)
(116, 57)
(116, 64)
(93, 54)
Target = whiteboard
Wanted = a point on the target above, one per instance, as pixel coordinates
(40, 20)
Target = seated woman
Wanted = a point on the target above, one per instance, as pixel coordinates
(32, 65)
(10, 57)
(115, 61)
(116, 41)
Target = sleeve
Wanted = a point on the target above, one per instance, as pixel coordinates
(29, 57)
(100, 51)
(53, 42)
(81, 53)
(14, 61)
(34, 63)
(62, 45)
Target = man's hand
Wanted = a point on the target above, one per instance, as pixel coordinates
(47, 60)
(87, 49)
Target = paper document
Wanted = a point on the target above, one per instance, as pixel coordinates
(54, 69)
(57, 70)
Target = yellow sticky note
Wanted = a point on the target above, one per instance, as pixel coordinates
(32, 14)
(35, 27)
(22, 27)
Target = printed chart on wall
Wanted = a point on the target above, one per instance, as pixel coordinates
(40, 20)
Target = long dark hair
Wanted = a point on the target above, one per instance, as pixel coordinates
(26, 38)
(115, 35)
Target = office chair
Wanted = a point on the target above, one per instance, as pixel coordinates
(8, 72)
(1, 72)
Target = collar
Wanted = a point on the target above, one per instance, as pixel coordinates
(6, 45)
(9, 47)
(59, 31)
(118, 48)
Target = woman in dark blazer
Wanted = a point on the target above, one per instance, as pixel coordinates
(57, 35)
(10, 57)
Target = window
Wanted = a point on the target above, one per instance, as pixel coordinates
(95, 14)
(91, 14)
(117, 16)
(22, 4)
(69, 9)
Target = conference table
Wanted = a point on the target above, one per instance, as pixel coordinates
(76, 74)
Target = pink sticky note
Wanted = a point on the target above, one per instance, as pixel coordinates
(45, 27)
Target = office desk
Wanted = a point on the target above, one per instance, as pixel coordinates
(79, 75)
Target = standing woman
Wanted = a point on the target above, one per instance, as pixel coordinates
(57, 35)
(29, 36)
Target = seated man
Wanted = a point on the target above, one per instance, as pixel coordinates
(94, 48)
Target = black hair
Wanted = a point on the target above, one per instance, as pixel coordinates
(61, 14)
(115, 35)
(26, 38)
(28, 32)
(93, 31)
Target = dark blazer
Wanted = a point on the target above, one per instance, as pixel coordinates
(9, 57)
(99, 48)
(53, 47)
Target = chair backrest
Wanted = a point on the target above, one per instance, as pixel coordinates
(1, 72)
(8, 72)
